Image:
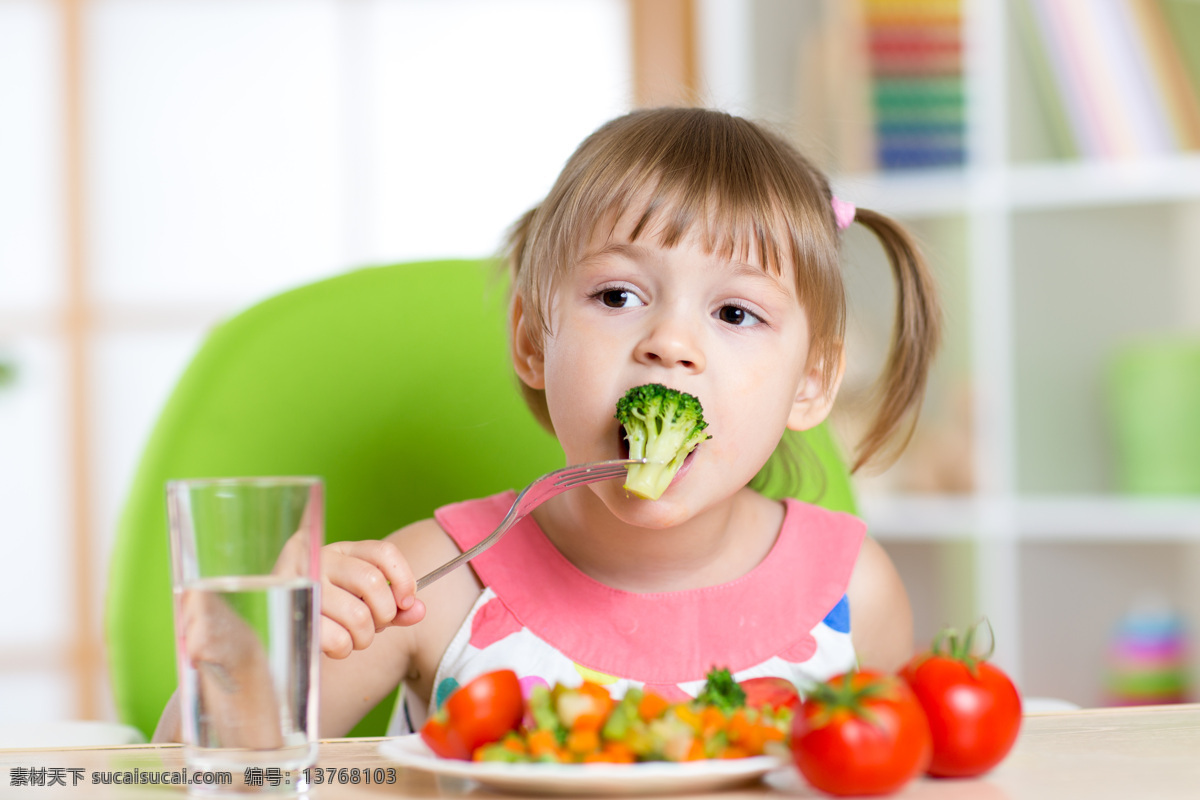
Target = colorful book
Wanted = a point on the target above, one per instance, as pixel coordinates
(1116, 75)
(1045, 76)
(1170, 71)
(1183, 20)
(915, 52)
(1139, 97)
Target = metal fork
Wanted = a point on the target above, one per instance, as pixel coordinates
(532, 496)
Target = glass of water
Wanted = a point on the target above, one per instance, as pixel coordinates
(245, 558)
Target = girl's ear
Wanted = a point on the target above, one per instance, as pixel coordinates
(814, 397)
(527, 358)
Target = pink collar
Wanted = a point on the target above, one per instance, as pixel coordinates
(667, 637)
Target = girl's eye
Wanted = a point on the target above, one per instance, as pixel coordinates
(737, 316)
(618, 298)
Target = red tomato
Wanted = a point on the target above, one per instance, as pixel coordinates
(476, 714)
(974, 709)
(860, 733)
(774, 692)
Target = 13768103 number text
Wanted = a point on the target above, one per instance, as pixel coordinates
(343, 775)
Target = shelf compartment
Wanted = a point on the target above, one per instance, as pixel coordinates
(1088, 184)
(921, 194)
(1082, 517)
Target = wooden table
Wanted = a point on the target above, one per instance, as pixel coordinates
(1148, 753)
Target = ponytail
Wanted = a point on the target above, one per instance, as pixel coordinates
(915, 337)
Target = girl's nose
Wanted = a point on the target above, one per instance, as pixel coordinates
(671, 344)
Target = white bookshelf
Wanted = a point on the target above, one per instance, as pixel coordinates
(1042, 543)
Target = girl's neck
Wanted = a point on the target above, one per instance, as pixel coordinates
(719, 545)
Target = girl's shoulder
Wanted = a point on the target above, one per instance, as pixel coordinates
(424, 545)
(883, 623)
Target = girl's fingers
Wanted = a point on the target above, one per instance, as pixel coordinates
(388, 559)
(336, 641)
(412, 615)
(374, 571)
(350, 614)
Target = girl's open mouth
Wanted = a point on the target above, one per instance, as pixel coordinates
(687, 464)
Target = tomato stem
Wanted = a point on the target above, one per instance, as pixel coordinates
(845, 696)
(948, 643)
(991, 638)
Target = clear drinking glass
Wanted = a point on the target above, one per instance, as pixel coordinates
(245, 555)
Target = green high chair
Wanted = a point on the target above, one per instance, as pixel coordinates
(392, 383)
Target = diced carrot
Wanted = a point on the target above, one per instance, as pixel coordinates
(652, 706)
(712, 719)
(597, 692)
(696, 751)
(733, 751)
(619, 752)
(756, 738)
(583, 742)
(611, 753)
(772, 734)
(739, 726)
(543, 743)
(749, 737)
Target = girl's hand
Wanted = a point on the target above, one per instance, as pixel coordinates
(366, 586)
(235, 683)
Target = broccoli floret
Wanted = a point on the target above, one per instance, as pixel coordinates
(721, 690)
(662, 426)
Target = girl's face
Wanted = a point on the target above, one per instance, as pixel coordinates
(726, 331)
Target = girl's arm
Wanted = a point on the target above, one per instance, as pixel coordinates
(881, 624)
(376, 655)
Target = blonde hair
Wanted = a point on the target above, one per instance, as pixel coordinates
(746, 190)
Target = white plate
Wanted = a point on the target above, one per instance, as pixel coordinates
(652, 777)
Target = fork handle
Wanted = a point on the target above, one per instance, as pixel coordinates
(467, 555)
(543, 489)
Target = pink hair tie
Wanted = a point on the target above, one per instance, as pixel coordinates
(843, 212)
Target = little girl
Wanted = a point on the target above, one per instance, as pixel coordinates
(694, 249)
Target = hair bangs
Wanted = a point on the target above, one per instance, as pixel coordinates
(734, 228)
(745, 192)
(750, 198)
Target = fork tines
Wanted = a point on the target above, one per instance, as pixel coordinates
(589, 475)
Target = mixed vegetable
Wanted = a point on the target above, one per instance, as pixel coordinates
(585, 724)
